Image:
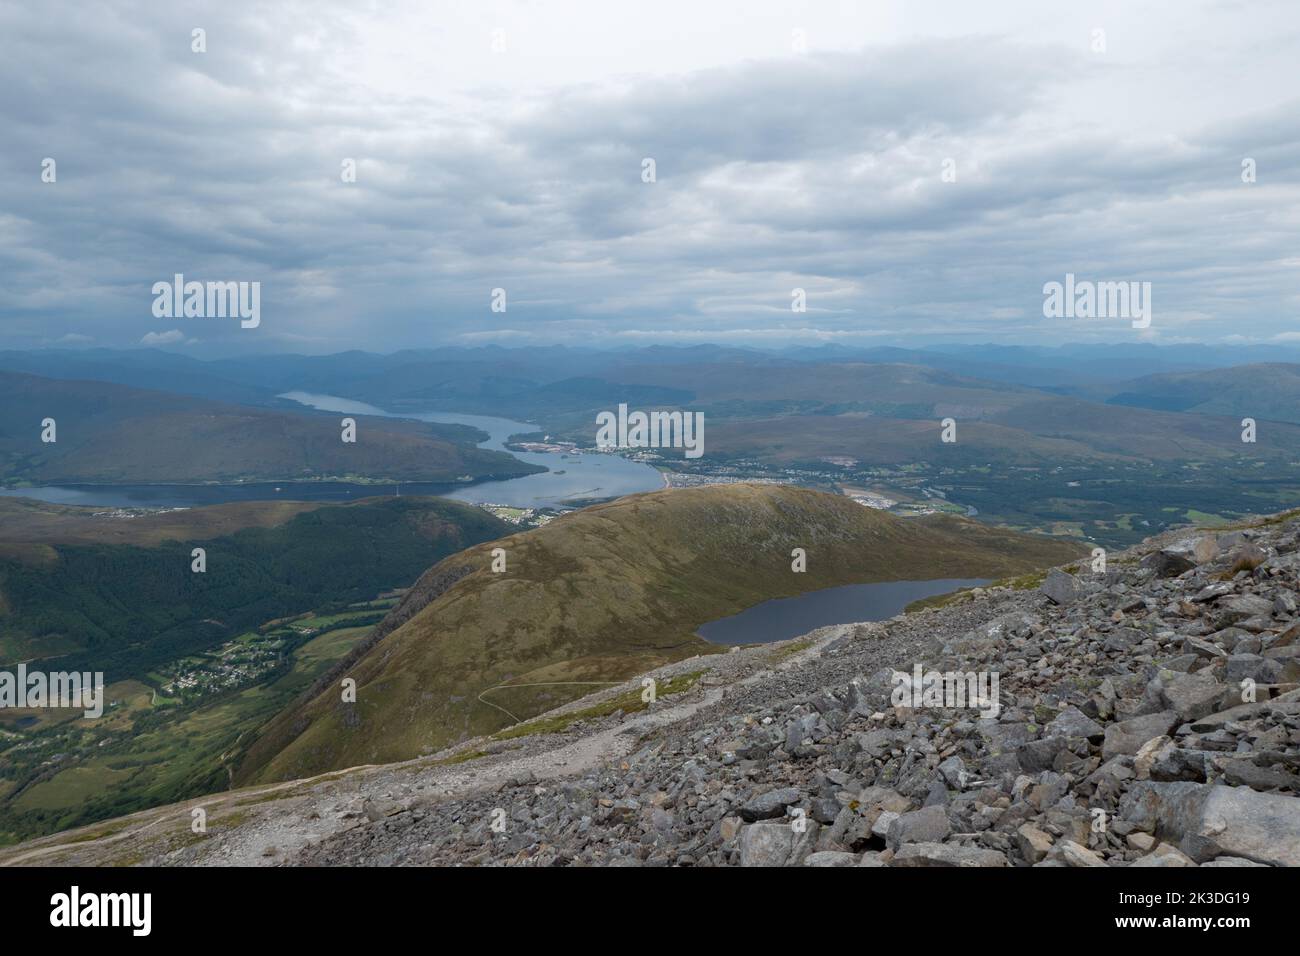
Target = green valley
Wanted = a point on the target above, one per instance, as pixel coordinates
(61, 771)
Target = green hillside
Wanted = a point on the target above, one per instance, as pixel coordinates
(124, 608)
(1265, 392)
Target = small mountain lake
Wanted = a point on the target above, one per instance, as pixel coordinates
(784, 618)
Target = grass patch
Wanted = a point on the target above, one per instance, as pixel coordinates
(629, 702)
(465, 757)
(1280, 518)
(935, 601)
(790, 650)
(1024, 582)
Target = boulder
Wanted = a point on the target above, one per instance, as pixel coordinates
(1166, 564)
(776, 844)
(1034, 843)
(1190, 695)
(946, 854)
(927, 825)
(831, 858)
(1209, 820)
(1072, 722)
(1060, 587)
(771, 804)
(1127, 737)
(1074, 854)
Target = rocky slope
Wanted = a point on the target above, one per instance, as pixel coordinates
(1148, 715)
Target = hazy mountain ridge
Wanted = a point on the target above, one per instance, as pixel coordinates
(109, 433)
(1265, 391)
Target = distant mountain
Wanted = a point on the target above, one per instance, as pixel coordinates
(140, 368)
(1055, 368)
(1265, 392)
(600, 595)
(499, 380)
(115, 434)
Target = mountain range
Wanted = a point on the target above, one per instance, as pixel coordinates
(115, 434)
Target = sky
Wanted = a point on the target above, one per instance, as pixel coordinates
(919, 169)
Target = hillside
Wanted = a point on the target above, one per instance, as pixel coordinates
(115, 434)
(1120, 701)
(104, 604)
(27, 521)
(1266, 392)
(600, 595)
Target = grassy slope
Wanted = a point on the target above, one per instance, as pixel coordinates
(28, 521)
(603, 594)
(116, 434)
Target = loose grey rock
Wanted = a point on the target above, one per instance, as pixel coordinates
(770, 804)
(1208, 821)
(946, 854)
(1060, 587)
(929, 824)
(776, 844)
(1128, 736)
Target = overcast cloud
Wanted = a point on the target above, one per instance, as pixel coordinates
(522, 169)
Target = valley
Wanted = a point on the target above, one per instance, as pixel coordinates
(169, 735)
(123, 608)
(217, 678)
(193, 663)
(1083, 459)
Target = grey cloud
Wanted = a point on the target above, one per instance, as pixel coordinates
(820, 171)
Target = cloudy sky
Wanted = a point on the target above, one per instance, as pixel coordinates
(502, 145)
